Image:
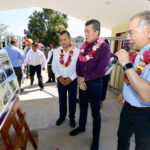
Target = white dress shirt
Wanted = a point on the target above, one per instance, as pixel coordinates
(69, 71)
(49, 55)
(35, 58)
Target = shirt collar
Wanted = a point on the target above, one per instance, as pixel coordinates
(94, 42)
(145, 48)
(63, 49)
(11, 45)
(36, 51)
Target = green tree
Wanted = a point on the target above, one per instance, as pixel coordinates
(3, 28)
(45, 26)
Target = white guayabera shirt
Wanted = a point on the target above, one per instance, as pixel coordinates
(69, 71)
(36, 58)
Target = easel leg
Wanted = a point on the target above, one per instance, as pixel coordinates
(27, 128)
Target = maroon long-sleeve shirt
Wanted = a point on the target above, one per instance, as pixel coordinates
(94, 68)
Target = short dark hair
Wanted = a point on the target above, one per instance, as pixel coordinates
(96, 24)
(65, 32)
(35, 43)
(107, 41)
(12, 42)
(50, 45)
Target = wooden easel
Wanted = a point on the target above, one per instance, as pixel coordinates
(21, 134)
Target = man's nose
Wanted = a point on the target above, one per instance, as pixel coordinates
(128, 37)
(85, 33)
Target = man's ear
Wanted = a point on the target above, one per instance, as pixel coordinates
(97, 32)
(148, 33)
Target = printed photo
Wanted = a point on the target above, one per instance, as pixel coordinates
(1, 106)
(2, 75)
(5, 92)
(7, 68)
(13, 82)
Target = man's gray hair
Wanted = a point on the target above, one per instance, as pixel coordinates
(144, 18)
(96, 24)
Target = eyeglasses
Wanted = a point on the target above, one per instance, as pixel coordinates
(130, 32)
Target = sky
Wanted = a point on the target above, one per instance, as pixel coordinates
(17, 20)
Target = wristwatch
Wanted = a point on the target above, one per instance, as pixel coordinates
(127, 66)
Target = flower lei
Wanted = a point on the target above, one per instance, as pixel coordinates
(91, 53)
(71, 51)
(144, 60)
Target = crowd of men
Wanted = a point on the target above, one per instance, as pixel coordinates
(86, 69)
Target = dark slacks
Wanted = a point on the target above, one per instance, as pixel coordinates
(137, 121)
(51, 76)
(33, 70)
(92, 95)
(18, 72)
(72, 93)
(105, 85)
(28, 71)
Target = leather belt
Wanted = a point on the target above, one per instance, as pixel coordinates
(142, 108)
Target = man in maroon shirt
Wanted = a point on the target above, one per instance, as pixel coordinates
(93, 59)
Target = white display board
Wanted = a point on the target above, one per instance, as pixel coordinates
(9, 87)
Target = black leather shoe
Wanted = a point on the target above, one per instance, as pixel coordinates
(76, 131)
(21, 90)
(48, 81)
(95, 145)
(72, 123)
(59, 121)
(31, 83)
(41, 88)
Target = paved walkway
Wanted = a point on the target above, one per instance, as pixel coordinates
(42, 112)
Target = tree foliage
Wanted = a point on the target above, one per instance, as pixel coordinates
(45, 26)
(3, 28)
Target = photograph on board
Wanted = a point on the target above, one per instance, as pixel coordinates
(5, 92)
(2, 75)
(7, 68)
(13, 82)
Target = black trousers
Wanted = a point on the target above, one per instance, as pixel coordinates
(33, 70)
(134, 121)
(51, 76)
(18, 72)
(105, 85)
(92, 95)
(72, 93)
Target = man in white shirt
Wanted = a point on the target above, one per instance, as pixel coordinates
(51, 76)
(64, 67)
(37, 60)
